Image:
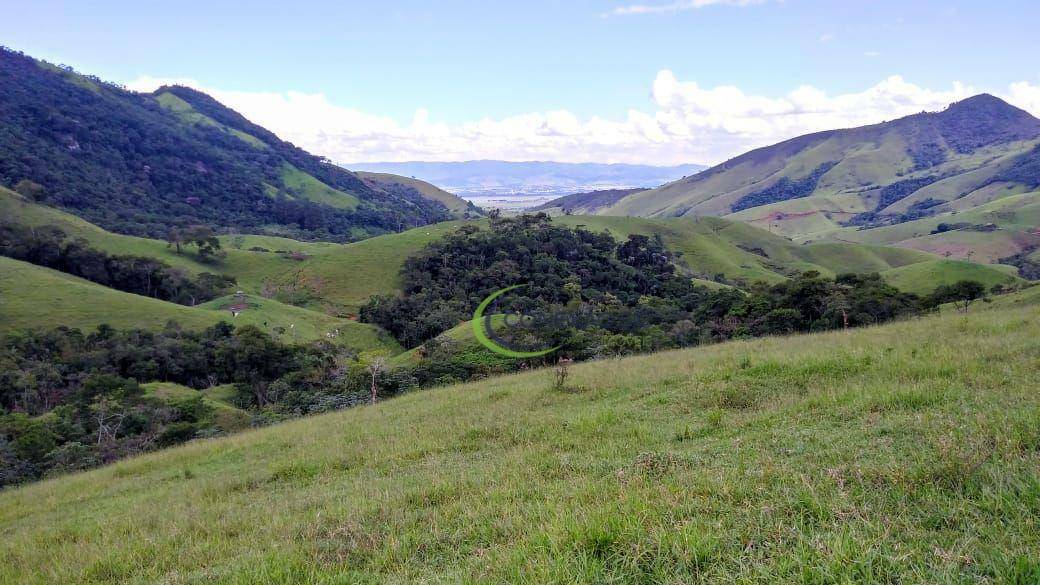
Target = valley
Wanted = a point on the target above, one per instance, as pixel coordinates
(227, 355)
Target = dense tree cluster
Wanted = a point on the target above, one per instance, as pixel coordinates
(784, 189)
(124, 162)
(962, 294)
(927, 154)
(448, 279)
(1025, 169)
(596, 296)
(70, 400)
(49, 246)
(902, 189)
(1027, 262)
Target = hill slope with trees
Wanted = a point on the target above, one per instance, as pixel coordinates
(976, 151)
(145, 163)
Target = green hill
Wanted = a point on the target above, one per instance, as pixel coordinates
(985, 233)
(843, 457)
(32, 296)
(142, 164)
(346, 275)
(924, 277)
(735, 250)
(976, 151)
(455, 204)
(226, 417)
(709, 247)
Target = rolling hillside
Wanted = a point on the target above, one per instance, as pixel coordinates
(975, 152)
(710, 248)
(458, 206)
(985, 233)
(716, 248)
(834, 458)
(33, 296)
(344, 277)
(144, 163)
(226, 417)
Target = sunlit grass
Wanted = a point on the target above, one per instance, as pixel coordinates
(904, 453)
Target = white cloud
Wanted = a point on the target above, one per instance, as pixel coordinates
(677, 6)
(1025, 96)
(826, 38)
(686, 123)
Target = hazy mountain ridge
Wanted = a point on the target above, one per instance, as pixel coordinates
(535, 177)
(586, 203)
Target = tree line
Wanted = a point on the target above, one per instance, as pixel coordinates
(49, 246)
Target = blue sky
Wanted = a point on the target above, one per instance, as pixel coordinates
(453, 65)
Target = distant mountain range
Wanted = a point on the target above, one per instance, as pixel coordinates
(143, 163)
(962, 182)
(495, 177)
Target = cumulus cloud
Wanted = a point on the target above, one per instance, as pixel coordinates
(685, 123)
(677, 6)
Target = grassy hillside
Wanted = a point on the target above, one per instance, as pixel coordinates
(736, 250)
(352, 273)
(300, 184)
(924, 277)
(458, 206)
(32, 296)
(977, 151)
(347, 275)
(186, 112)
(226, 417)
(904, 453)
(249, 268)
(985, 233)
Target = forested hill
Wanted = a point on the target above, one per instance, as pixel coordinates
(144, 163)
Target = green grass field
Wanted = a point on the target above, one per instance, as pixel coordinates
(307, 187)
(905, 453)
(33, 296)
(226, 416)
(924, 277)
(186, 112)
(249, 268)
(1016, 216)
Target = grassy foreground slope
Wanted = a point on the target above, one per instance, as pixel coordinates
(32, 296)
(905, 453)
